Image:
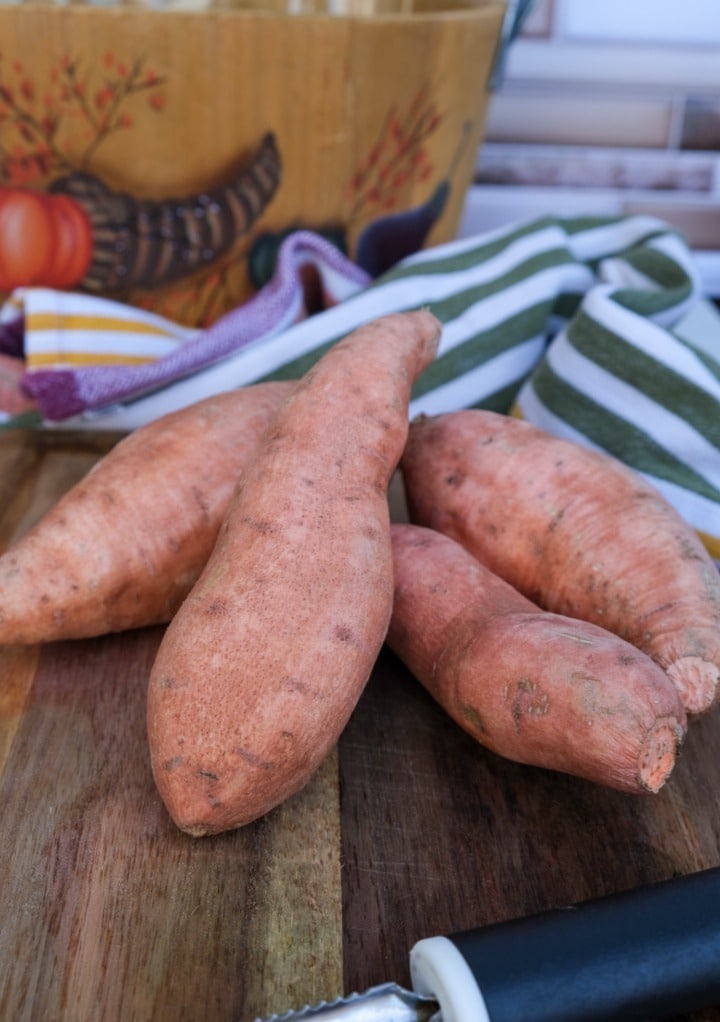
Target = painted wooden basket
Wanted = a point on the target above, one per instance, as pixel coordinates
(160, 156)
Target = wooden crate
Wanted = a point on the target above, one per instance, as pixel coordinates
(159, 156)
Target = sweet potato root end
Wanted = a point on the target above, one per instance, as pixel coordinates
(659, 752)
(697, 680)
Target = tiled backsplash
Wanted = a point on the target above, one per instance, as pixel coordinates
(612, 105)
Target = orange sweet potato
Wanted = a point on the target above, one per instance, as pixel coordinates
(123, 547)
(263, 664)
(535, 687)
(575, 531)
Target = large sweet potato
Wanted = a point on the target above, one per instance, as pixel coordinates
(576, 531)
(123, 547)
(261, 667)
(533, 686)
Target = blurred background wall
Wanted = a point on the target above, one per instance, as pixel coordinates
(609, 107)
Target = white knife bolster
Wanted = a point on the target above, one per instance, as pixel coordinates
(437, 968)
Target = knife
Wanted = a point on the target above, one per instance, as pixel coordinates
(648, 953)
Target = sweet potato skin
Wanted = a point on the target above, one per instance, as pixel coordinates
(575, 531)
(262, 666)
(535, 687)
(123, 547)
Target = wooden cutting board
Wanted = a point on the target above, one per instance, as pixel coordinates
(409, 830)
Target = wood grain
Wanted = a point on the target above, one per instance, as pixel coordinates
(35, 468)
(17, 668)
(410, 829)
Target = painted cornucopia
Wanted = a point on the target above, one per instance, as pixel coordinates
(80, 233)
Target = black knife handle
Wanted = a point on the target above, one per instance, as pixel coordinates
(649, 953)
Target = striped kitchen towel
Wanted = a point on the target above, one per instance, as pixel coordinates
(569, 322)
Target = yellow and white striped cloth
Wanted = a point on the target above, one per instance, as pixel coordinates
(65, 328)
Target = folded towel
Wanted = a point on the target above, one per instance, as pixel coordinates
(569, 322)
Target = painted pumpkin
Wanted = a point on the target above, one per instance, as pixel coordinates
(44, 239)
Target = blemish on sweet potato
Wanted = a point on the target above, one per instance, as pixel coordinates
(254, 759)
(215, 607)
(170, 681)
(473, 722)
(529, 701)
(264, 526)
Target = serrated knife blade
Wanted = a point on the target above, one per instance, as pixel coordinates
(388, 1002)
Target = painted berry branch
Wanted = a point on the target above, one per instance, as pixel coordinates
(104, 114)
(397, 159)
(41, 127)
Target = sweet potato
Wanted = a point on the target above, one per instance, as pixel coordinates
(260, 669)
(575, 531)
(533, 686)
(123, 547)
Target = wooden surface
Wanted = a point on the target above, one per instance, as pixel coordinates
(409, 830)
